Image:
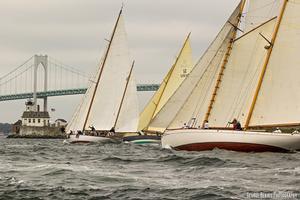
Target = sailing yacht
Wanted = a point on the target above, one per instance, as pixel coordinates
(251, 77)
(178, 72)
(110, 106)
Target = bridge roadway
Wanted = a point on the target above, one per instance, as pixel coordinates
(140, 87)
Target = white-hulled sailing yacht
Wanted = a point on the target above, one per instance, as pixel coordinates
(252, 77)
(110, 105)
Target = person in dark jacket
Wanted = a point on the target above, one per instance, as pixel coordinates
(236, 125)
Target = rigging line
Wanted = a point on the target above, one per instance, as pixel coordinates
(259, 8)
(250, 86)
(124, 94)
(219, 35)
(212, 78)
(17, 68)
(72, 71)
(102, 68)
(14, 77)
(237, 97)
(224, 39)
(252, 80)
(67, 67)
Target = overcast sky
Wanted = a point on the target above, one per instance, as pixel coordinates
(73, 31)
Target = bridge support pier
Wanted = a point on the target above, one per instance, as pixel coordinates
(39, 59)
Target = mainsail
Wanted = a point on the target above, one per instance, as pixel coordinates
(240, 77)
(278, 102)
(260, 11)
(112, 81)
(180, 104)
(171, 82)
(108, 97)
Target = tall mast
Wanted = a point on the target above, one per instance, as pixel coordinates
(225, 61)
(102, 67)
(124, 93)
(171, 72)
(263, 72)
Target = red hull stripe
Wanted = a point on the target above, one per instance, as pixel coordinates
(232, 146)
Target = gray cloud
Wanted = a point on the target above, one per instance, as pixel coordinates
(73, 31)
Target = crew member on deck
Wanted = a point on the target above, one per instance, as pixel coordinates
(206, 125)
(92, 128)
(185, 126)
(236, 124)
(277, 130)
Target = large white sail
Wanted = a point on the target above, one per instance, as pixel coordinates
(240, 77)
(278, 101)
(129, 113)
(193, 110)
(78, 118)
(111, 86)
(179, 98)
(260, 11)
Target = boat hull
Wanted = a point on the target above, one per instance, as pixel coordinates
(87, 139)
(244, 141)
(142, 139)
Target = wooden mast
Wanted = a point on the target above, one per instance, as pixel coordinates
(102, 67)
(263, 72)
(225, 61)
(171, 72)
(124, 93)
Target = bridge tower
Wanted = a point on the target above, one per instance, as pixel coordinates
(43, 60)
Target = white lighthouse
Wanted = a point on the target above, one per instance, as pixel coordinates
(32, 116)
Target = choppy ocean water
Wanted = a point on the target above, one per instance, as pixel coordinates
(49, 169)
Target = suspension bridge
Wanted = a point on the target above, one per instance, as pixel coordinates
(43, 77)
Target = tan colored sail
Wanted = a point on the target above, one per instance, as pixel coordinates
(178, 100)
(181, 70)
(240, 76)
(171, 82)
(278, 101)
(148, 112)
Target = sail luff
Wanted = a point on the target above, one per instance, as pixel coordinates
(265, 65)
(125, 90)
(171, 73)
(225, 61)
(102, 67)
(168, 85)
(163, 90)
(144, 118)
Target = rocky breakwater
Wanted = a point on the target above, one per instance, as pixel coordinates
(45, 132)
